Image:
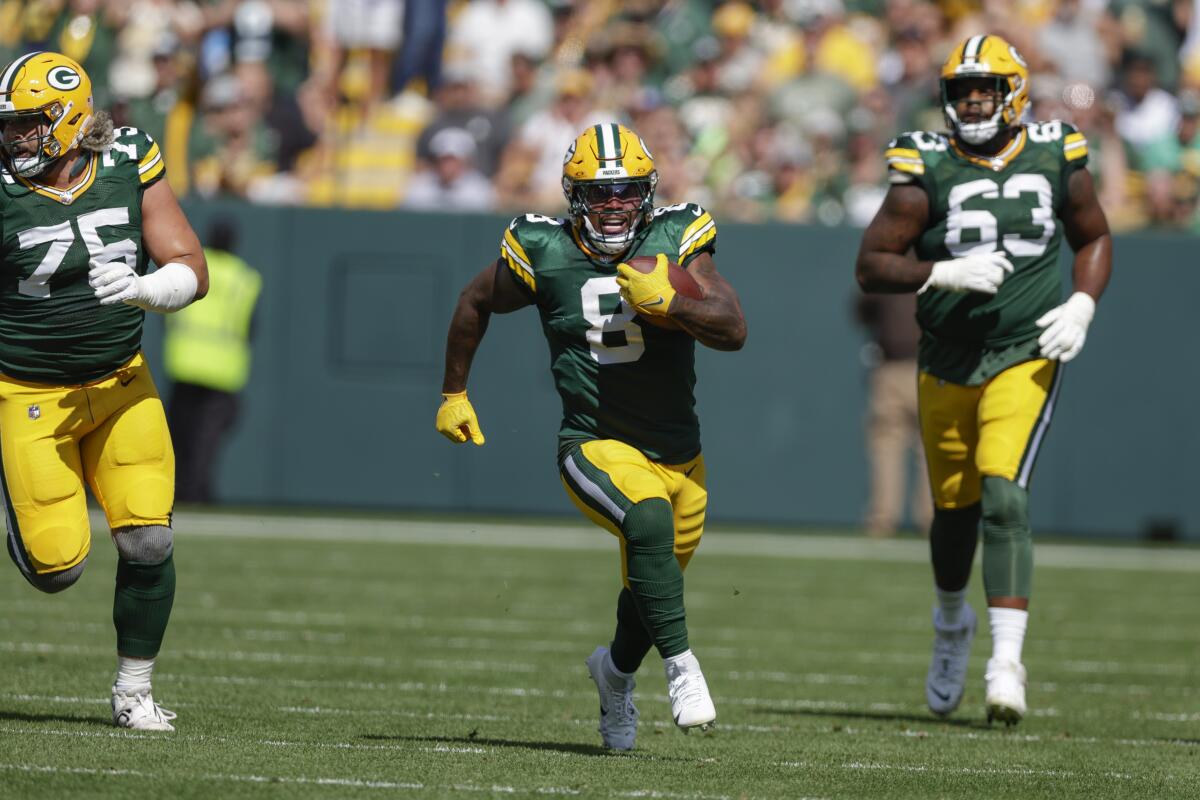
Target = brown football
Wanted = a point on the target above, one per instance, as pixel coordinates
(681, 281)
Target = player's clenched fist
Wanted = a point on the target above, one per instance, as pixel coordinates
(980, 273)
(648, 292)
(1066, 327)
(456, 419)
(113, 282)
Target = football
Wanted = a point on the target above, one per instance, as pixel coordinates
(681, 281)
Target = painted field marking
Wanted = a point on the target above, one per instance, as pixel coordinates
(719, 541)
(359, 783)
(382, 662)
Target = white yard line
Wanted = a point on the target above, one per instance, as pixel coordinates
(719, 540)
(389, 663)
(1019, 771)
(359, 783)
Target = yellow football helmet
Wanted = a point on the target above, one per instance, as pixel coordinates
(50, 87)
(986, 56)
(609, 162)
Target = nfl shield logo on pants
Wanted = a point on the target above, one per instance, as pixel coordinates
(35, 412)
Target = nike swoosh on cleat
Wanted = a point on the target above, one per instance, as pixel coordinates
(940, 695)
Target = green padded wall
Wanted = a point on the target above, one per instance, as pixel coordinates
(348, 356)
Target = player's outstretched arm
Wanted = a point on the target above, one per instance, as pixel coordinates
(717, 320)
(493, 290)
(1086, 229)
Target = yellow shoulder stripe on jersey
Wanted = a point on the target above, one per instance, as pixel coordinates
(515, 257)
(696, 235)
(704, 219)
(905, 159)
(70, 194)
(151, 166)
(1075, 146)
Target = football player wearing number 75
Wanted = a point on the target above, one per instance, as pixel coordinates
(972, 223)
(622, 347)
(83, 209)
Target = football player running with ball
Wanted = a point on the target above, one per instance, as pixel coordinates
(972, 223)
(82, 210)
(629, 444)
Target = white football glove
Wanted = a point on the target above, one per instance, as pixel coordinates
(113, 282)
(169, 288)
(981, 273)
(1066, 327)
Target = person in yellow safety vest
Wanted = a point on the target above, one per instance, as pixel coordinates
(207, 356)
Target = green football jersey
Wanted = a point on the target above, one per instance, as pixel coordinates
(1009, 203)
(53, 330)
(619, 377)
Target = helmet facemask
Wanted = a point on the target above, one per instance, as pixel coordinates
(955, 90)
(47, 147)
(610, 212)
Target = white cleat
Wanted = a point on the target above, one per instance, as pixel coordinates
(618, 714)
(1005, 691)
(691, 704)
(948, 670)
(137, 710)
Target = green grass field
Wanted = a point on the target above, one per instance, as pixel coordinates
(328, 657)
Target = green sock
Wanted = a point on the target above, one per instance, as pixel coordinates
(1007, 540)
(655, 578)
(142, 605)
(952, 539)
(631, 642)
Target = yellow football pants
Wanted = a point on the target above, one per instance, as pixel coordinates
(993, 429)
(111, 434)
(605, 478)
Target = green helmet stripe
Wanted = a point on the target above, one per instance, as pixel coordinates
(600, 151)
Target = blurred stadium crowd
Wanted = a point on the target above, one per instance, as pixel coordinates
(777, 109)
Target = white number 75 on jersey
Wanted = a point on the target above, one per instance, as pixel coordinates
(61, 237)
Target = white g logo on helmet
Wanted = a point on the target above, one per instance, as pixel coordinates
(63, 78)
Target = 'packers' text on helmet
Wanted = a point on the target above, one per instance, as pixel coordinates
(988, 57)
(50, 88)
(609, 180)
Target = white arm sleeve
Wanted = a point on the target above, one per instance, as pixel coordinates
(169, 288)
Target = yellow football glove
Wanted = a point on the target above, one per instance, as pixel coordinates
(456, 419)
(648, 292)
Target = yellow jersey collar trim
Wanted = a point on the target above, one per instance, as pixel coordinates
(998, 161)
(68, 195)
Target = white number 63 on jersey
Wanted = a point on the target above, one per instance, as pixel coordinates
(960, 219)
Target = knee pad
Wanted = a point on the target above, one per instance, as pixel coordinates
(144, 544)
(52, 582)
(649, 526)
(1005, 510)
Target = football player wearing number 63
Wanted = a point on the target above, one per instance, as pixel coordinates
(629, 445)
(972, 222)
(83, 209)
